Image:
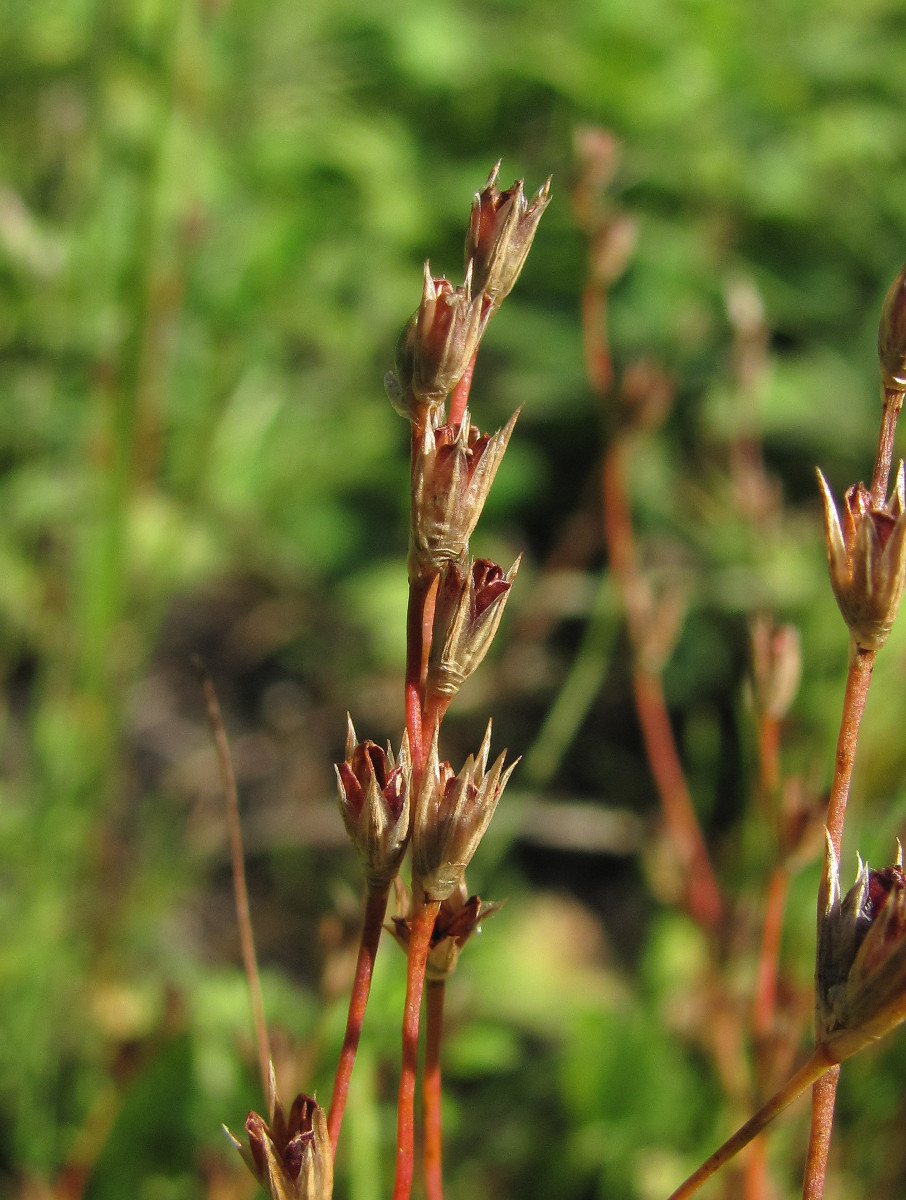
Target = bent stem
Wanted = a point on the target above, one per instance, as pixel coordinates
(811, 1070)
(419, 943)
(861, 663)
(704, 898)
(375, 907)
(431, 1092)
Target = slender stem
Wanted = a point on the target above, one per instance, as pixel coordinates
(703, 893)
(824, 1093)
(243, 914)
(375, 907)
(893, 402)
(766, 987)
(419, 943)
(432, 1090)
(811, 1070)
(704, 899)
(598, 361)
(459, 397)
(436, 707)
(857, 682)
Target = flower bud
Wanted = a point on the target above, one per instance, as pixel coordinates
(435, 347)
(452, 813)
(500, 235)
(291, 1157)
(892, 336)
(374, 804)
(453, 468)
(458, 918)
(469, 607)
(860, 974)
(866, 556)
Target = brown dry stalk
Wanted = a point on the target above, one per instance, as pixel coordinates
(243, 914)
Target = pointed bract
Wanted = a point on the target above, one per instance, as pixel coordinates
(892, 336)
(452, 472)
(469, 607)
(866, 555)
(452, 813)
(435, 347)
(501, 230)
(291, 1157)
(374, 803)
(860, 974)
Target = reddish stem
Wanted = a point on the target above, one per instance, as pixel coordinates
(375, 907)
(436, 707)
(598, 362)
(824, 1092)
(459, 398)
(703, 894)
(893, 402)
(769, 756)
(824, 1095)
(419, 943)
(431, 1091)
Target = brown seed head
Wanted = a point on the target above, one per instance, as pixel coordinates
(470, 604)
(776, 666)
(291, 1157)
(451, 815)
(435, 347)
(452, 472)
(374, 803)
(866, 555)
(892, 336)
(500, 235)
(861, 967)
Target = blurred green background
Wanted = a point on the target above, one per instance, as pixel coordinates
(213, 219)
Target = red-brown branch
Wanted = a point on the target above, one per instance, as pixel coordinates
(375, 907)
(858, 679)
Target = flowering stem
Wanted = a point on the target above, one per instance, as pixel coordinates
(375, 907)
(824, 1092)
(431, 1089)
(459, 397)
(419, 943)
(811, 1070)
